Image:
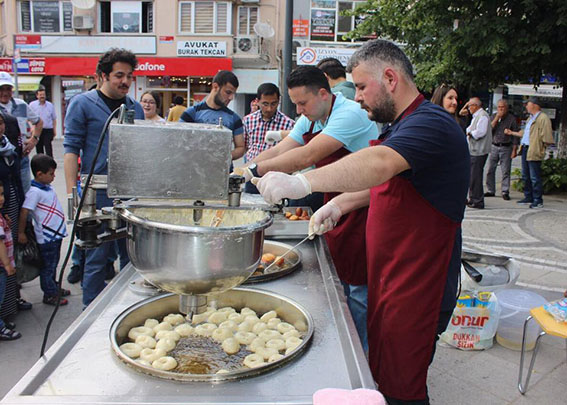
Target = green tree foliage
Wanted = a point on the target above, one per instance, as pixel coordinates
(476, 44)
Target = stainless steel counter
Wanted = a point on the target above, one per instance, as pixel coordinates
(80, 367)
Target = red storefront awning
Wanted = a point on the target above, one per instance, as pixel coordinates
(147, 66)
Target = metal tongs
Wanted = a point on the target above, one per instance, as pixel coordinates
(288, 251)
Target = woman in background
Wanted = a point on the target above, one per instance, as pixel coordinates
(151, 103)
(447, 97)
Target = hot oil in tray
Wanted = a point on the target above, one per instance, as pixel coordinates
(202, 355)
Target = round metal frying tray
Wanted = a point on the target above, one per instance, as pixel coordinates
(259, 300)
(292, 260)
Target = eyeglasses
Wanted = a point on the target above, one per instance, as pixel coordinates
(147, 102)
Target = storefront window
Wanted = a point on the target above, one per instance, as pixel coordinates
(45, 16)
(167, 82)
(200, 87)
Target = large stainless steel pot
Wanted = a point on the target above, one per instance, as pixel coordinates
(182, 258)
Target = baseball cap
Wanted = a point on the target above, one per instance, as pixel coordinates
(534, 100)
(6, 79)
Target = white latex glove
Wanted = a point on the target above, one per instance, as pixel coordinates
(243, 171)
(273, 137)
(324, 219)
(275, 186)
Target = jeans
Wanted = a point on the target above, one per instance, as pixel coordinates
(3, 278)
(531, 176)
(50, 253)
(357, 300)
(476, 190)
(25, 173)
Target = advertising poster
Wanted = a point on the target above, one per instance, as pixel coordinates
(323, 25)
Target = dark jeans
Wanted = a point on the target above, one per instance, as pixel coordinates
(444, 318)
(45, 142)
(476, 191)
(313, 200)
(50, 253)
(531, 176)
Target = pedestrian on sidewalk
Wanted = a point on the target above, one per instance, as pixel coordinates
(46, 111)
(7, 268)
(535, 138)
(49, 225)
(504, 148)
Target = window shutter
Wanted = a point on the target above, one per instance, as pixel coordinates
(222, 18)
(204, 17)
(25, 11)
(253, 19)
(185, 17)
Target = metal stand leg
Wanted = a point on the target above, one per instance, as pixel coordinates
(524, 387)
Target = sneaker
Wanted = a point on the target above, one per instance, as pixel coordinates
(9, 334)
(489, 194)
(524, 201)
(23, 305)
(75, 275)
(65, 293)
(52, 300)
(506, 196)
(10, 325)
(536, 205)
(110, 272)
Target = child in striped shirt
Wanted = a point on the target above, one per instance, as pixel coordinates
(49, 224)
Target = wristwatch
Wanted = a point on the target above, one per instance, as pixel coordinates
(254, 169)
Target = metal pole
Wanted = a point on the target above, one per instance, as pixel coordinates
(15, 61)
(286, 102)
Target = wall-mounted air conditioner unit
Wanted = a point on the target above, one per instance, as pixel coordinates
(83, 22)
(246, 45)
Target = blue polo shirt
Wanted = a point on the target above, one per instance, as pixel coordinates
(203, 114)
(348, 124)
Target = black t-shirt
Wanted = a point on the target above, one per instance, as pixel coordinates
(111, 103)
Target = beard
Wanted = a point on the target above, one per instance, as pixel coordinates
(219, 101)
(385, 109)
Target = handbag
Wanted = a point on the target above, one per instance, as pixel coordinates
(28, 257)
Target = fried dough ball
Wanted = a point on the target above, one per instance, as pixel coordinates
(228, 310)
(277, 344)
(253, 360)
(200, 318)
(144, 363)
(166, 344)
(256, 343)
(151, 323)
(245, 327)
(233, 326)
(300, 326)
(268, 258)
(275, 357)
(221, 334)
(165, 363)
(268, 315)
(238, 318)
(205, 329)
(269, 334)
(273, 323)
(146, 341)
(291, 333)
(163, 326)
(174, 319)
(230, 345)
(244, 338)
(222, 371)
(168, 334)
(259, 327)
(184, 330)
(150, 355)
(217, 317)
(252, 319)
(247, 311)
(266, 352)
(287, 214)
(131, 350)
(292, 342)
(140, 330)
(293, 218)
(284, 327)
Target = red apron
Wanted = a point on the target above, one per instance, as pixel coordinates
(410, 246)
(347, 241)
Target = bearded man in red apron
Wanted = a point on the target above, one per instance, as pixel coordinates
(331, 127)
(414, 180)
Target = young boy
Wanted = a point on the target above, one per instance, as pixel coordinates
(7, 268)
(49, 224)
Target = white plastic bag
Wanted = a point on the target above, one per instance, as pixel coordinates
(474, 322)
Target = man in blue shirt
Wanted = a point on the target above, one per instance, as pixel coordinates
(214, 107)
(84, 121)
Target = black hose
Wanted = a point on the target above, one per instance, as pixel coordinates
(73, 230)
